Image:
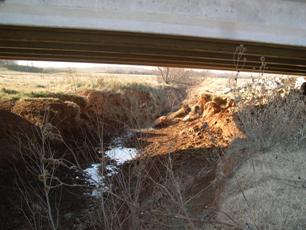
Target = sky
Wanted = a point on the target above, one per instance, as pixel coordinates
(51, 64)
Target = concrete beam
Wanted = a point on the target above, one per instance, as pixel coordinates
(272, 21)
(195, 33)
(40, 43)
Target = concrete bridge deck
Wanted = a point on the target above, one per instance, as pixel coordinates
(194, 34)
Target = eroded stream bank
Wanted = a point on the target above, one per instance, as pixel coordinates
(194, 172)
(190, 171)
(66, 128)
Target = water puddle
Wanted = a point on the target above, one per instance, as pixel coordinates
(299, 81)
(119, 154)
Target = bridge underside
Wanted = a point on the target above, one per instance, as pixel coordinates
(98, 46)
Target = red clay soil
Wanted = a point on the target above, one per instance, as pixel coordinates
(78, 119)
(92, 112)
(219, 131)
(64, 115)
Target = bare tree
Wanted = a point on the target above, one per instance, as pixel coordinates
(171, 75)
(164, 73)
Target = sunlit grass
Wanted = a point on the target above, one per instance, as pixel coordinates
(18, 85)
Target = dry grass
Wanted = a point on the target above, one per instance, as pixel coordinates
(268, 189)
(279, 121)
(24, 84)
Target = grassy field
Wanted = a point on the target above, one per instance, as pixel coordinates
(18, 84)
(120, 99)
(14, 84)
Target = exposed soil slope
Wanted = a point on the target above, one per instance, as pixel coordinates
(191, 146)
(247, 160)
(95, 113)
(218, 130)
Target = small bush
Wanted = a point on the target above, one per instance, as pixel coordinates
(169, 75)
(274, 120)
(9, 91)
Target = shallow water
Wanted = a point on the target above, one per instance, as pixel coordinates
(119, 154)
(93, 172)
(299, 81)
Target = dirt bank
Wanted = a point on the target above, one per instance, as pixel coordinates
(177, 176)
(96, 113)
(204, 166)
(12, 129)
(57, 127)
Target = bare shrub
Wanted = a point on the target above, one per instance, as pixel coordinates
(39, 176)
(172, 75)
(100, 83)
(73, 79)
(40, 164)
(239, 61)
(274, 120)
(264, 191)
(271, 112)
(153, 193)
